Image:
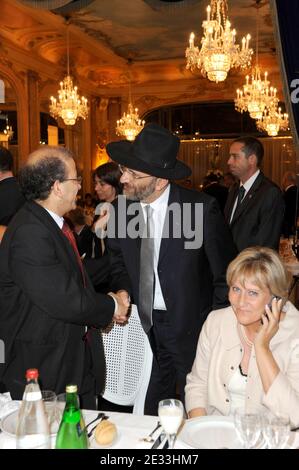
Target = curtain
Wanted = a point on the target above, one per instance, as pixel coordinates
(285, 14)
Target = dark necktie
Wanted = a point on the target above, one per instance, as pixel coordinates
(241, 194)
(146, 280)
(71, 238)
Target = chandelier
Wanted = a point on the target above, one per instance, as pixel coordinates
(130, 124)
(273, 120)
(69, 105)
(219, 51)
(256, 95)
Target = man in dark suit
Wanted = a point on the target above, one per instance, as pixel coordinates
(177, 270)
(255, 207)
(46, 296)
(11, 198)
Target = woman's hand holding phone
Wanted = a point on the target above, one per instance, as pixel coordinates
(269, 305)
(269, 322)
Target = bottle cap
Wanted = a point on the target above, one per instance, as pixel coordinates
(31, 374)
(71, 389)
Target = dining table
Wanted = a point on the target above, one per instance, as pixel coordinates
(131, 431)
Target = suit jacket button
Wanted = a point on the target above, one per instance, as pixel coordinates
(232, 367)
(227, 400)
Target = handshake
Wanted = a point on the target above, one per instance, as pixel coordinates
(123, 301)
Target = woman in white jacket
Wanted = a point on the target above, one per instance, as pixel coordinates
(248, 353)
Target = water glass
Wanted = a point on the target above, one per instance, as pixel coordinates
(171, 416)
(60, 405)
(248, 427)
(276, 431)
(49, 399)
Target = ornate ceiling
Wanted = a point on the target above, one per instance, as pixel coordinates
(105, 34)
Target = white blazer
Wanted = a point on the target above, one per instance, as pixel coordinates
(219, 353)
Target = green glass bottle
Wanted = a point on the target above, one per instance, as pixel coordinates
(72, 433)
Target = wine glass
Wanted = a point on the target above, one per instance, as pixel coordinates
(248, 427)
(276, 431)
(171, 415)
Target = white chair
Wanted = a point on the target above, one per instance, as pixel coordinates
(128, 363)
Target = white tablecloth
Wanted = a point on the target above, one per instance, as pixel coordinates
(131, 428)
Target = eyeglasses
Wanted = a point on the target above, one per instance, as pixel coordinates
(79, 179)
(132, 173)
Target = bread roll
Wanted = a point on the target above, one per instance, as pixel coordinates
(105, 433)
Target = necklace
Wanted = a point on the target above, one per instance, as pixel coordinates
(243, 337)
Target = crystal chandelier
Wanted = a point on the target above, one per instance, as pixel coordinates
(257, 94)
(273, 120)
(69, 105)
(219, 52)
(130, 124)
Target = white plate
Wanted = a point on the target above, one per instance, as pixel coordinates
(210, 432)
(218, 432)
(9, 425)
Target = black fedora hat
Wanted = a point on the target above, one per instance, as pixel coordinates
(154, 152)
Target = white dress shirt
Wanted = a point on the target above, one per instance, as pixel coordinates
(159, 207)
(59, 220)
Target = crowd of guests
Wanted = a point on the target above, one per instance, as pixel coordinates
(218, 318)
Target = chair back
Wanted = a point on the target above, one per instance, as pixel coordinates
(128, 363)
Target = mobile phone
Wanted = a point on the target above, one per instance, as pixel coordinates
(273, 297)
(270, 305)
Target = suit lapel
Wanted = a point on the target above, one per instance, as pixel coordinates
(230, 202)
(167, 233)
(134, 243)
(52, 226)
(249, 199)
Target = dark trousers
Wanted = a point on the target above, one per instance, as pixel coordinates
(88, 399)
(169, 371)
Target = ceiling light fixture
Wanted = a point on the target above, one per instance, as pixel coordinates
(69, 105)
(272, 121)
(257, 94)
(219, 51)
(130, 124)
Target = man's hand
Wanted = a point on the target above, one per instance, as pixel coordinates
(125, 296)
(123, 303)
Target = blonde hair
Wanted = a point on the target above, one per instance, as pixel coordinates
(263, 267)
